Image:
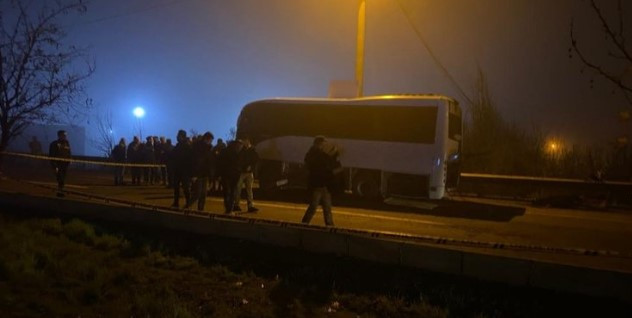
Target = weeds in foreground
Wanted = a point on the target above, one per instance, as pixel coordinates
(53, 267)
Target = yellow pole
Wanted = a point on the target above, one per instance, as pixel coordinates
(360, 47)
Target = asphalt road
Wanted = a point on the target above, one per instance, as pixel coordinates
(506, 222)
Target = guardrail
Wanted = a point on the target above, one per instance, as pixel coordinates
(548, 190)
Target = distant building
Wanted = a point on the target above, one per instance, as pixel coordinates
(46, 134)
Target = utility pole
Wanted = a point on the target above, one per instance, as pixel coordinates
(360, 47)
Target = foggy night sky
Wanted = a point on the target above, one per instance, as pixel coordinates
(193, 64)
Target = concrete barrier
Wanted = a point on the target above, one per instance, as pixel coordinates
(497, 268)
(319, 241)
(370, 249)
(279, 236)
(352, 243)
(582, 280)
(431, 258)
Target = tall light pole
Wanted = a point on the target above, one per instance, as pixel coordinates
(360, 47)
(139, 113)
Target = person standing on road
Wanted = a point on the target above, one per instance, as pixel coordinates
(168, 161)
(216, 180)
(228, 167)
(118, 156)
(148, 157)
(182, 161)
(203, 162)
(248, 158)
(60, 148)
(134, 156)
(321, 167)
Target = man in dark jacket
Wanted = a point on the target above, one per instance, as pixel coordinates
(321, 167)
(134, 156)
(228, 167)
(119, 156)
(203, 166)
(182, 161)
(248, 159)
(60, 148)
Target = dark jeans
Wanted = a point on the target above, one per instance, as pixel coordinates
(319, 196)
(60, 175)
(200, 193)
(136, 172)
(119, 172)
(229, 183)
(183, 180)
(163, 174)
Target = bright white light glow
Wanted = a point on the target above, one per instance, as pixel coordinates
(139, 112)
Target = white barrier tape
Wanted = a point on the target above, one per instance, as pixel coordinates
(104, 163)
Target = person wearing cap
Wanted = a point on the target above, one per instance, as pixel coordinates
(60, 148)
(320, 166)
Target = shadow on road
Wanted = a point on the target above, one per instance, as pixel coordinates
(443, 208)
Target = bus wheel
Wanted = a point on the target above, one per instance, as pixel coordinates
(366, 186)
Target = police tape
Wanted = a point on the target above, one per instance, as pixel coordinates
(70, 160)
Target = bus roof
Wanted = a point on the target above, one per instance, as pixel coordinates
(357, 99)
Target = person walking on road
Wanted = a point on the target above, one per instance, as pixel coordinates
(248, 158)
(119, 156)
(228, 167)
(321, 167)
(182, 160)
(203, 162)
(60, 148)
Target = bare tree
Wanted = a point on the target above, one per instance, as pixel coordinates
(105, 137)
(232, 134)
(614, 62)
(40, 79)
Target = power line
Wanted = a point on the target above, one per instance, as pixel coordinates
(432, 54)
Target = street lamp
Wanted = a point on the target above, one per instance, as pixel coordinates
(139, 113)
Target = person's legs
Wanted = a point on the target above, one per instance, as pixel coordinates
(248, 181)
(176, 190)
(163, 174)
(229, 200)
(186, 187)
(238, 187)
(311, 209)
(201, 192)
(327, 208)
(61, 177)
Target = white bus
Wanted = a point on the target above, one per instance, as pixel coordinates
(406, 145)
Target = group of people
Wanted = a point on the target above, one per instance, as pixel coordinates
(191, 165)
(194, 162)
